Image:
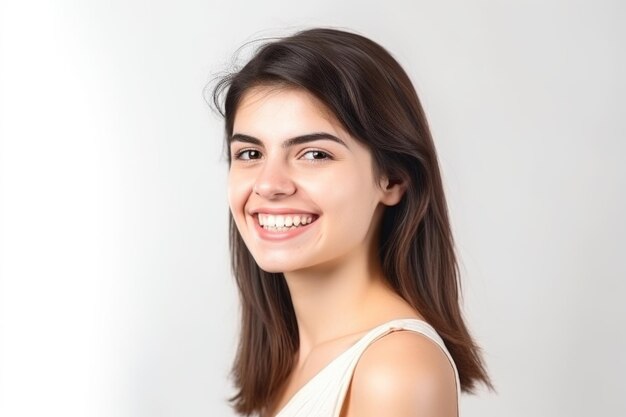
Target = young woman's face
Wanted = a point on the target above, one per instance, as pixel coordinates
(300, 189)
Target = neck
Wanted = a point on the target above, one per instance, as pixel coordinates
(338, 299)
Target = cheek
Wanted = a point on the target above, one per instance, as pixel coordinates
(350, 203)
(354, 212)
(238, 189)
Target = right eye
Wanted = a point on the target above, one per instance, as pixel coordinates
(248, 154)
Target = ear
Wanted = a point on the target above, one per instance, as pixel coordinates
(392, 190)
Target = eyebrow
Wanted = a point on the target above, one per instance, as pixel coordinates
(238, 137)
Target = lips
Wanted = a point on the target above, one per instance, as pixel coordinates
(282, 233)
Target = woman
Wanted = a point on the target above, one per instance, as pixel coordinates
(339, 235)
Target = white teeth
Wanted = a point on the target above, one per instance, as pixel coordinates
(284, 221)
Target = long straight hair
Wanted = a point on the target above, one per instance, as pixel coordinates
(373, 98)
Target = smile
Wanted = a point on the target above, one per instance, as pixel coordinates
(283, 226)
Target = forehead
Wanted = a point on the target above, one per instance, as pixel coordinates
(280, 110)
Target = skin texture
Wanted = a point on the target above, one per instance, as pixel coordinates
(332, 270)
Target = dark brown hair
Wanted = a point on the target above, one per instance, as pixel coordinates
(372, 96)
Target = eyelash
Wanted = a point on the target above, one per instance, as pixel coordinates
(327, 157)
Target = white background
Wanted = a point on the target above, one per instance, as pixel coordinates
(115, 291)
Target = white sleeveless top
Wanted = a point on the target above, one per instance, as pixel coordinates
(324, 394)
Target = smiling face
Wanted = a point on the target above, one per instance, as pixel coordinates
(300, 188)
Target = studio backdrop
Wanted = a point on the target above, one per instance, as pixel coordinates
(116, 296)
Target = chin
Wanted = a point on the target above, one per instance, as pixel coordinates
(272, 270)
(277, 266)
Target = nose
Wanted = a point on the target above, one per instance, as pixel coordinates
(274, 181)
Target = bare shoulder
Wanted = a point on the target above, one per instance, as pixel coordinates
(403, 373)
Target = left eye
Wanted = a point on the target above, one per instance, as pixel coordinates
(316, 155)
